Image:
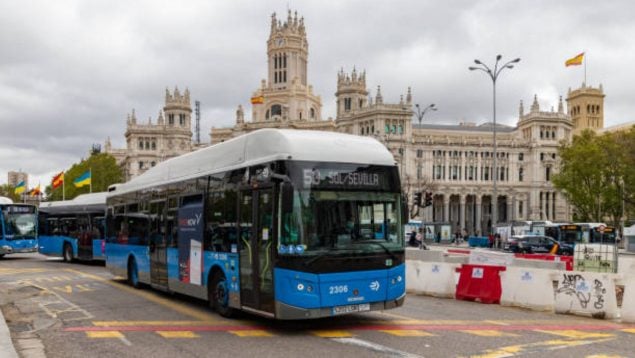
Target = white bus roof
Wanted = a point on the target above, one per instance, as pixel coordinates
(263, 146)
(81, 203)
(5, 200)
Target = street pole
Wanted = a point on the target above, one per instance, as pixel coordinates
(493, 74)
(420, 115)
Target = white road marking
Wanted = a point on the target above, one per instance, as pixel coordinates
(376, 347)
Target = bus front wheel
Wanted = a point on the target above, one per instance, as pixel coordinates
(219, 295)
(67, 254)
(133, 273)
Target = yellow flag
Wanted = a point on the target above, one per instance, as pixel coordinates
(575, 61)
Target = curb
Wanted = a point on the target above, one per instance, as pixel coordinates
(6, 345)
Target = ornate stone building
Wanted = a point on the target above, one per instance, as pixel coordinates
(454, 162)
(148, 144)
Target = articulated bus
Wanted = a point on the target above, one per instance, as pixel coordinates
(598, 233)
(18, 225)
(74, 229)
(287, 224)
(566, 233)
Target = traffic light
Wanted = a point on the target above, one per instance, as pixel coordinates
(428, 200)
(417, 199)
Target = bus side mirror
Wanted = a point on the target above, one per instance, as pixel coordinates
(287, 197)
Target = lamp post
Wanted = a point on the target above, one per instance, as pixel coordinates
(493, 74)
(421, 113)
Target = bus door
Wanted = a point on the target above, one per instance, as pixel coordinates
(84, 239)
(257, 241)
(158, 254)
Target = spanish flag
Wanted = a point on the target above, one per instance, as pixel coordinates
(35, 191)
(84, 179)
(58, 180)
(575, 61)
(257, 100)
(20, 188)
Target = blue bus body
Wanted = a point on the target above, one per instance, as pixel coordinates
(285, 239)
(18, 225)
(74, 229)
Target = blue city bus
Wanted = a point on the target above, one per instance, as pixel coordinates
(74, 229)
(18, 225)
(286, 224)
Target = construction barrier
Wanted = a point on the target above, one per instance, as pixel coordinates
(414, 281)
(538, 264)
(528, 288)
(480, 282)
(431, 278)
(587, 293)
(476, 241)
(487, 257)
(628, 300)
(568, 260)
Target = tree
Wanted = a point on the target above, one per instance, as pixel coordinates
(8, 191)
(594, 172)
(104, 172)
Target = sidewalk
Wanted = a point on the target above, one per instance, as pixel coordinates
(6, 345)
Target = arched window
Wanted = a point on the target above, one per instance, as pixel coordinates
(267, 114)
(276, 110)
(312, 113)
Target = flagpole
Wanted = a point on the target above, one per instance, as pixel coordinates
(90, 171)
(63, 187)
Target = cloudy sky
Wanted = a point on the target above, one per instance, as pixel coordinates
(70, 71)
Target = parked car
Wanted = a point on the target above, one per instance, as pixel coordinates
(536, 244)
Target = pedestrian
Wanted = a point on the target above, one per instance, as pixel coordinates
(412, 241)
(422, 244)
(438, 237)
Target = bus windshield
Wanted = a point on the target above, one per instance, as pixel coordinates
(20, 225)
(322, 221)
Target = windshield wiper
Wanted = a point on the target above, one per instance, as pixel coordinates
(320, 256)
(392, 254)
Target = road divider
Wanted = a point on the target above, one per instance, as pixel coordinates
(628, 300)
(480, 282)
(528, 288)
(431, 278)
(587, 294)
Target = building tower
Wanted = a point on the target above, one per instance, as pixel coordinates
(351, 95)
(586, 108)
(286, 95)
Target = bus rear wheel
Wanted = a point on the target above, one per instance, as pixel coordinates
(133, 273)
(219, 295)
(67, 253)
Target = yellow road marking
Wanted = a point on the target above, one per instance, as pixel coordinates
(150, 323)
(629, 330)
(153, 297)
(551, 345)
(11, 271)
(604, 356)
(498, 323)
(332, 334)
(252, 333)
(177, 334)
(104, 334)
(489, 333)
(578, 334)
(407, 332)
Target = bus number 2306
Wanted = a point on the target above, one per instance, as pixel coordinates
(334, 290)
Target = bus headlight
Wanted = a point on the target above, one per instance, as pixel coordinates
(309, 288)
(300, 287)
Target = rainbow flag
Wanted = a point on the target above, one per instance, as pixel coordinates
(58, 180)
(575, 61)
(84, 179)
(20, 188)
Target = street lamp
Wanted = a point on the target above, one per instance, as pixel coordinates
(421, 113)
(493, 74)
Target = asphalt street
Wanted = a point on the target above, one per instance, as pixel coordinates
(55, 309)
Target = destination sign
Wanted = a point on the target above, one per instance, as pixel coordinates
(570, 227)
(19, 209)
(340, 178)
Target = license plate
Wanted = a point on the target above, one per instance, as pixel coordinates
(351, 308)
(507, 246)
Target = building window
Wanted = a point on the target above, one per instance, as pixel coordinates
(520, 174)
(419, 171)
(521, 157)
(154, 145)
(153, 163)
(312, 113)
(276, 110)
(419, 153)
(140, 165)
(520, 208)
(547, 173)
(182, 119)
(171, 119)
(347, 104)
(140, 144)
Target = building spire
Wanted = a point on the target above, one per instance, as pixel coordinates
(521, 109)
(560, 106)
(534, 106)
(378, 98)
(409, 96)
